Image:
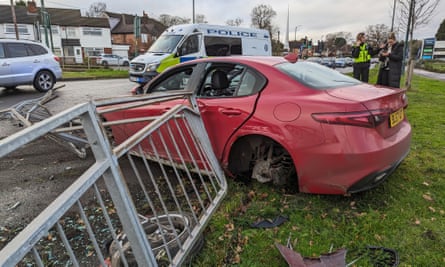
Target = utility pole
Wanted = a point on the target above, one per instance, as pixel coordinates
(393, 15)
(44, 17)
(14, 19)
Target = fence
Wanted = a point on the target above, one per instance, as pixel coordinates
(156, 190)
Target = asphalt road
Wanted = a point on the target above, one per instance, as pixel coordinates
(74, 92)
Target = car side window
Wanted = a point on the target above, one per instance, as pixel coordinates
(176, 80)
(231, 81)
(2, 51)
(16, 50)
(191, 45)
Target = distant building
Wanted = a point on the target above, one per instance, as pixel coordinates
(72, 36)
(122, 31)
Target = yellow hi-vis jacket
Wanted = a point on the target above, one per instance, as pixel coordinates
(363, 53)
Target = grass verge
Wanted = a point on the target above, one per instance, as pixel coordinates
(96, 74)
(406, 213)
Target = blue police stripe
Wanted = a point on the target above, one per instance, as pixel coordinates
(184, 59)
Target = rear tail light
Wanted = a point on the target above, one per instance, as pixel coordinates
(56, 58)
(369, 119)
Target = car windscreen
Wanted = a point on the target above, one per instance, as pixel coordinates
(316, 76)
(165, 44)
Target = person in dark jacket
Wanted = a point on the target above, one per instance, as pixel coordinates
(361, 54)
(391, 63)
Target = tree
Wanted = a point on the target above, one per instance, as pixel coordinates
(234, 22)
(336, 41)
(414, 14)
(20, 3)
(261, 16)
(169, 20)
(200, 18)
(96, 9)
(377, 33)
(440, 35)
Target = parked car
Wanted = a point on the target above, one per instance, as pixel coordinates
(110, 59)
(328, 62)
(298, 123)
(27, 62)
(315, 59)
(340, 63)
(349, 61)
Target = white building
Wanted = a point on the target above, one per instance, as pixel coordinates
(72, 37)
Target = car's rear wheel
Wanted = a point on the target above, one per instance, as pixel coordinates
(265, 160)
(105, 63)
(44, 81)
(126, 63)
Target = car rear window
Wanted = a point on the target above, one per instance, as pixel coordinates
(35, 49)
(16, 50)
(316, 76)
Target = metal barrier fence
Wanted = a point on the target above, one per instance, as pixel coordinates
(156, 191)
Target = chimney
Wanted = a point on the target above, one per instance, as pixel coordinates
(32, 8)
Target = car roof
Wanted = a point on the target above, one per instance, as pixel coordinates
(10, 40)
(263, 60)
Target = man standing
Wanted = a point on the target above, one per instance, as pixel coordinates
(362, 53)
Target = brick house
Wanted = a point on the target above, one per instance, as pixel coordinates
(122, 31)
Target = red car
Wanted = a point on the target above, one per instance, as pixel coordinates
(281, 122)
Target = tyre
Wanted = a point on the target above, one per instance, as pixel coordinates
(181, 224)
(126, 64)
(44, 81)
(105, 63)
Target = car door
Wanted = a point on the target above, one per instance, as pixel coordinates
(224, 112)
(25, 61)
(21, 64)
(5, 68)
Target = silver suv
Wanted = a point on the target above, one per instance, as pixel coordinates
(27, 62)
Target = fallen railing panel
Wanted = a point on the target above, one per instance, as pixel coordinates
(155, 191)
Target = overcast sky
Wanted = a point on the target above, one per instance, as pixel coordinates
(312, 18)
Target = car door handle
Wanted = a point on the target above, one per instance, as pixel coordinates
(36, 61)
(5, 64)
(231, 112)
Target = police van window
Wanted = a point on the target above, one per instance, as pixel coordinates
(191, 45)
(165, 44)
(222, 46)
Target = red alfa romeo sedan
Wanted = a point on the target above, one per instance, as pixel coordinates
(290, 123)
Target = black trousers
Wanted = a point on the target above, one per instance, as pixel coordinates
(361, 71)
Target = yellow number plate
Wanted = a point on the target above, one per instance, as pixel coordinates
(396, 117)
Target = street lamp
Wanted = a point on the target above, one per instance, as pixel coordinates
(296, 27)
(193, 19)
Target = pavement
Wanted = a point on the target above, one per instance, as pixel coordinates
(429, 74)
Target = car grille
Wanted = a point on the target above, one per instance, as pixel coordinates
(137, 67)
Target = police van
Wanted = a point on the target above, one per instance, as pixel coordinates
(185, 42)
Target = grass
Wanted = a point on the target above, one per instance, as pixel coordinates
(433, 65)
(96, 74)
(406, 213)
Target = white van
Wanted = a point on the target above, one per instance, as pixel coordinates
(185, 42)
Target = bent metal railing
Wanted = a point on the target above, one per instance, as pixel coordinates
(132, 194)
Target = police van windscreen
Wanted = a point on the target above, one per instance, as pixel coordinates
(165, 44)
